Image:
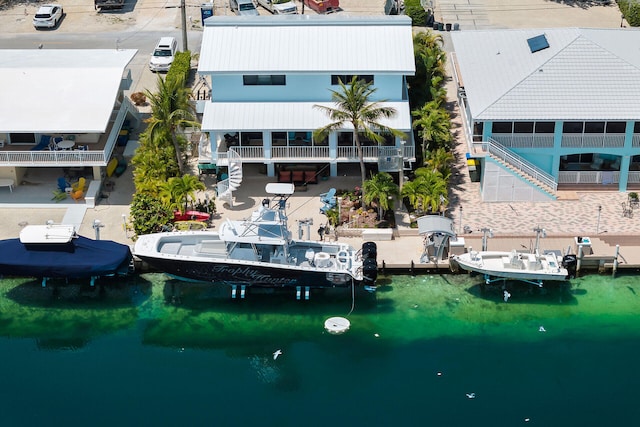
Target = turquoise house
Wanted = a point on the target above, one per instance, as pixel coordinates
(550, 109)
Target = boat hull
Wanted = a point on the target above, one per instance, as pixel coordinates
(514, 266)
(232, 272)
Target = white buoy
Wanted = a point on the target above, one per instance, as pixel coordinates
(337, 325)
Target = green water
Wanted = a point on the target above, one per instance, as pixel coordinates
(154, 351)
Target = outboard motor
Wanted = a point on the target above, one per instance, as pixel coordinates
(369, 272)
(369, 250)
(570, 262)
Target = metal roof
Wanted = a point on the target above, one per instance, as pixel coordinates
(307, 44)
(59, 90)
(584, 74)
(284, 116)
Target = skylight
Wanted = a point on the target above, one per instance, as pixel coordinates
(537, 43)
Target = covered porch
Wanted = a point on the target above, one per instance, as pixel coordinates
(271, 133)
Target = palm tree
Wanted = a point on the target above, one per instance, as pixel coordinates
(434, 126)
(179, 190)
(440, 161)
(353, 105)
(380, 189)
(170, 110)
(434, 186)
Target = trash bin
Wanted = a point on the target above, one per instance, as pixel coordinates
(435, 25)
(206, 11)
(448, 26)
(456, 27)
(440, 26)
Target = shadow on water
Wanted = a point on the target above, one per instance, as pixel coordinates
(67, 315)
(106, 294)
(554, 293)
(217, 298)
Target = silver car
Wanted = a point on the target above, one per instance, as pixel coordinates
(48, 16)
(243, 7)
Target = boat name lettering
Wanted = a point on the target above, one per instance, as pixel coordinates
(250, 273)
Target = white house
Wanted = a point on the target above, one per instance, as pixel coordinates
(268, 72)
(71, 95)
(550, 108)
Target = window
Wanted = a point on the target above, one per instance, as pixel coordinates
(502, 127)
(523, 127)
(264, 80)
(636, 127)
(279, 139)
(572, 127)
(594, 127)
(346, 78)
(545, 127)
(345, 139)
(478, 128)
(616, 127)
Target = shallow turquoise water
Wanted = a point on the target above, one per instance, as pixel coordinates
(152, 351)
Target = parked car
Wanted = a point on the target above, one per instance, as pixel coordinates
(163, 54)
(243, 7)
(48, 16)
(279, 7)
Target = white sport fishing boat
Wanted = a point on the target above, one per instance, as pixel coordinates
(527, 267)
(259, 251)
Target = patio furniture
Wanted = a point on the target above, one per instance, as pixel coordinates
(80, 185)
(43, 144)
(284, 176)
(63, 184)
(65, 144)
(7, 182)
(297, 177)
(77, 195)
(310, 177)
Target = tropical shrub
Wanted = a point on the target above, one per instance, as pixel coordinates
(149, 214)
(414, 10)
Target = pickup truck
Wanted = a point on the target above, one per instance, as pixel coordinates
(279, 7)
(108, 4)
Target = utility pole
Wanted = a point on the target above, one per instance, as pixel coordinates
(183, 13)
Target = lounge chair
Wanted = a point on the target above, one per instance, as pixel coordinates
(77, 195)
(329, 196)
(80, 185)
(63, 184)
(43, 144)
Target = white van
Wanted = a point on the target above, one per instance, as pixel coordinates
(163, 54)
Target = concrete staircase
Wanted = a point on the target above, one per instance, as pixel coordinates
(523, 168)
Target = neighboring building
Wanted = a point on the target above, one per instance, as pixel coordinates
(268, 72)
(550, 108)
(75, 95)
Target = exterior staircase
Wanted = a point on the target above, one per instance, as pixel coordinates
(521, 167)
(226, 187)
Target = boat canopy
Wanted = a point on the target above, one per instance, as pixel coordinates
(78, 258)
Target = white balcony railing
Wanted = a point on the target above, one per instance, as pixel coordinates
(593, 177)
(316, 154)
(72, 158)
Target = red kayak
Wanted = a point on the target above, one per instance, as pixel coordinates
(191, 216)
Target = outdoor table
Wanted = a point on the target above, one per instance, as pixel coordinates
(66, 144)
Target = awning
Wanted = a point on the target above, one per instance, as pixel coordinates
(284, 116)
